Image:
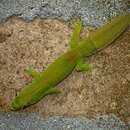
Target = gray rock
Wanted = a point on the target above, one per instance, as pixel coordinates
(92, 12)
(28, 121)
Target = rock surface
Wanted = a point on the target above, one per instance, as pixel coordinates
(28, 121)
(92, 12)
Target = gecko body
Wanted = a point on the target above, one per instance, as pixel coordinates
(44, 83)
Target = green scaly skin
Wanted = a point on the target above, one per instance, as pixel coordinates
(45, 82)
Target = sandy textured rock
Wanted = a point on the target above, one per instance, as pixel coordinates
(99, 91)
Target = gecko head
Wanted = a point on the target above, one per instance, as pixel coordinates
(15, 105)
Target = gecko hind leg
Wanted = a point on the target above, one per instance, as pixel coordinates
(81, 66)
(76, 25)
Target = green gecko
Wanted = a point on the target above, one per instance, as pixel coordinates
(44, 83)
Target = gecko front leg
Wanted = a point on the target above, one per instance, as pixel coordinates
(33, 73)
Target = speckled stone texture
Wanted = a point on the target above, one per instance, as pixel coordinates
(26, 121)
(93, 12)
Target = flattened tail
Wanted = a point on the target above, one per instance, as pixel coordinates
(110, 31)
(103, 36)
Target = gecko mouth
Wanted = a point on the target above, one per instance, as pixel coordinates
(15, 106)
